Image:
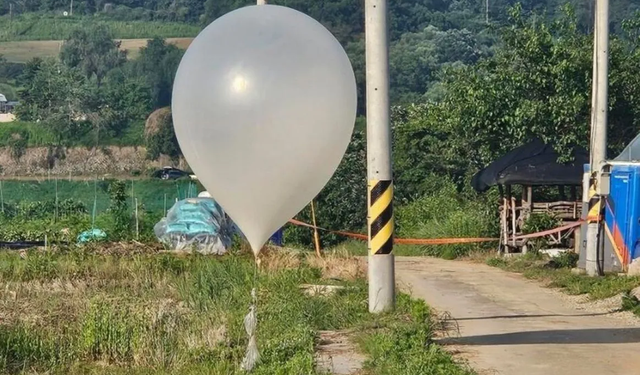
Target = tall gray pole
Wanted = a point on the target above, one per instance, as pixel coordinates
(598, 130)
(379, 175)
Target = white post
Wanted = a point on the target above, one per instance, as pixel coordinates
(379, 175)
(262, 2)
(598, 129)
(1, 196)
(137, 221)
(56, 213)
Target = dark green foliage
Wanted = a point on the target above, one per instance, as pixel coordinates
(163, 141)
(630, 303)
(18, 143)
(568, 259)
(93, 51)
(9, 71)
(86, 98)
(157, 65)
(118, 209)
(540, 222)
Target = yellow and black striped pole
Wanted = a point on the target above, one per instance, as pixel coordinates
(379, 174)
(594, 210)
(380, 217)
(593, 263)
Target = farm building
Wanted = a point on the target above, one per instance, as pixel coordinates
(532, 183)
(6, 109)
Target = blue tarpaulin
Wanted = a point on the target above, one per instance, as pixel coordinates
(196, 223)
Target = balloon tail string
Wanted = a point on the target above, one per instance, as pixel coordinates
(252, 355)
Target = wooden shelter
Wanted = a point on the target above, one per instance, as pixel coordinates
(531, 181)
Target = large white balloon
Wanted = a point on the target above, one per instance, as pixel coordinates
(264, 104)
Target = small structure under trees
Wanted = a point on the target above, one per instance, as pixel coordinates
(536, 192)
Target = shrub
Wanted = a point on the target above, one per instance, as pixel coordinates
(444, 213)
(118, 209)
(538, 223)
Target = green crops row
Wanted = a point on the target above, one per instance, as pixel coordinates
(152, 195)
(35, 27)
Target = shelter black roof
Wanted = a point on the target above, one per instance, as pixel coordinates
(534, 163)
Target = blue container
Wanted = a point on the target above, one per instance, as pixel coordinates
(622, 213)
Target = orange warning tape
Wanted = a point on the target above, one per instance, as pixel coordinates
(439, 241)
(404, 241)
(550, 231)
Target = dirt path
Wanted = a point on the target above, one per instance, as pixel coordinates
(511, 326)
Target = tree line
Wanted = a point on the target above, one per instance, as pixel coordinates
(92, 93)
(344, 17)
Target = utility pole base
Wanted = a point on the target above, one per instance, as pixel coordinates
(591, 264)
(382, 284)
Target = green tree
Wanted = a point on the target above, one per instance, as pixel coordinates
(162, 139)
(157, 66)
(538, 84)
(119, 211)
(92, 49)
(54, 95)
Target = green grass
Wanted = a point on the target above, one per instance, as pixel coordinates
(39, 27)
(8, 91)
(359, 248)
(537, 267)
(39, 135)
(88, 311)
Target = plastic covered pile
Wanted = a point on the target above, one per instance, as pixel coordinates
(196, 224)
(91, 235)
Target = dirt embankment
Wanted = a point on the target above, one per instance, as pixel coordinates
(43, 161)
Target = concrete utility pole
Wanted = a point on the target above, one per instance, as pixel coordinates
(379, 175)
(598, 131)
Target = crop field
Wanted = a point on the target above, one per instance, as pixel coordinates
(150, 193)
(22, 51)
(40, 27)
(121, 309)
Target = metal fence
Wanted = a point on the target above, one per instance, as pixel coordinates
(64, 197)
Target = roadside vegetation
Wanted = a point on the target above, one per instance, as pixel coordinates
(557, 273)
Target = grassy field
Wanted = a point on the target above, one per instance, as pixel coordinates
(8, 91)
(22, 51)
(37, 27)
(104, 311)
(556, 273)
(40, 135)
